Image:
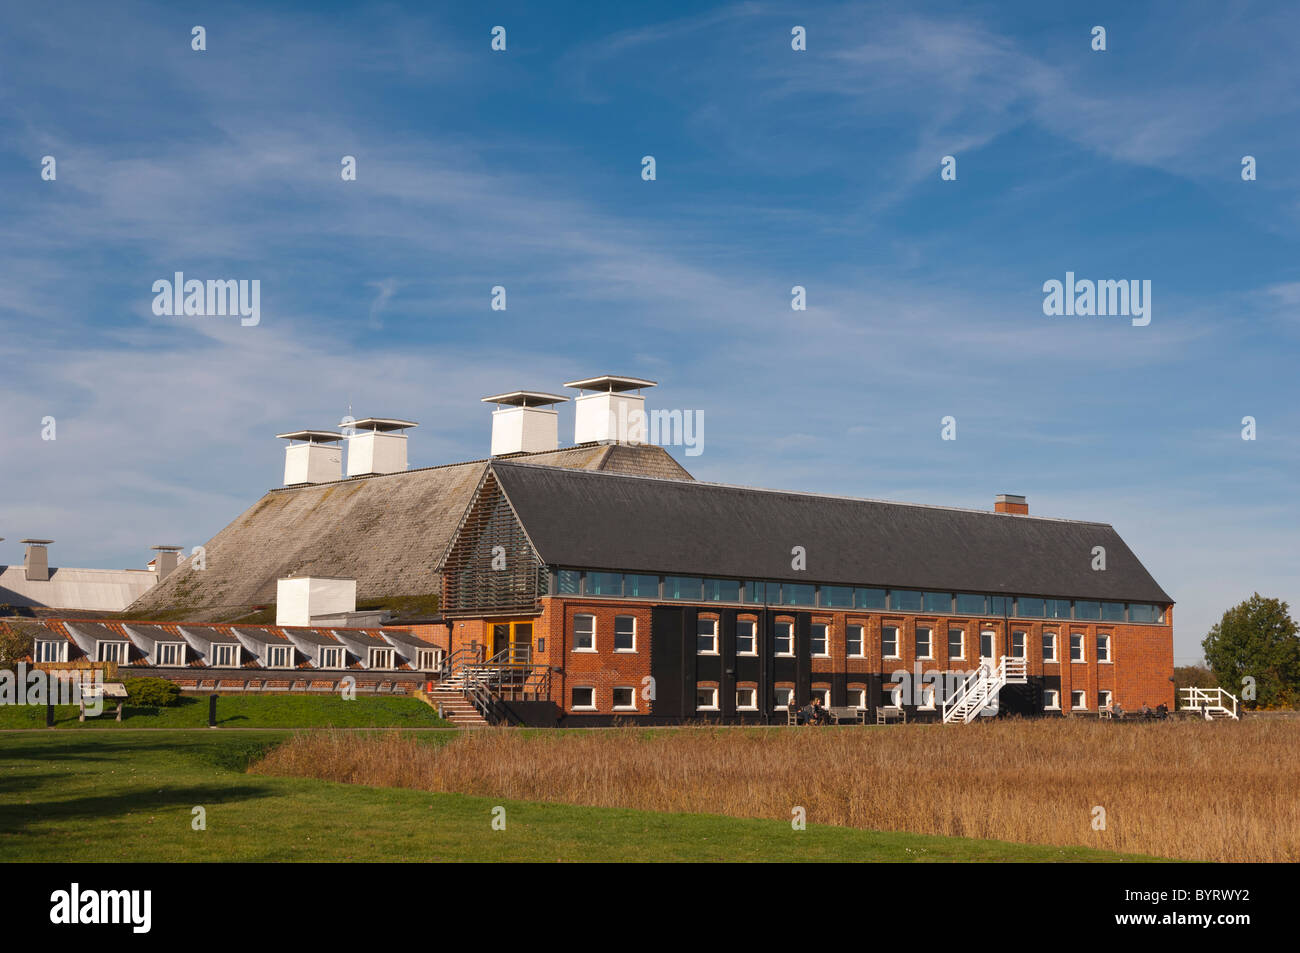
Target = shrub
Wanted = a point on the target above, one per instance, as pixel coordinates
(151, 692)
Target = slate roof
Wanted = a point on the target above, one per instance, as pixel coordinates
(385, 531)
(113, 630)
(630, 523)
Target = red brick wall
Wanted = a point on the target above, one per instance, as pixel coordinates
(603, 669)
(1138, 675)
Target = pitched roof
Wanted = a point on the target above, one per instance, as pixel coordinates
(387, 531)
(100, 590)
(690, 528)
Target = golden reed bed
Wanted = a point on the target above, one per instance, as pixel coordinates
(1200, 791)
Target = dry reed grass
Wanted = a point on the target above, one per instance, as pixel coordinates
(1218, 791)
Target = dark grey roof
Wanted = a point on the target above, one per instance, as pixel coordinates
(154, 633)
(314, 636)
(259, 633)
(362, 637)
(600, 521)
(406, 638)
(97, 631)
(208, 633)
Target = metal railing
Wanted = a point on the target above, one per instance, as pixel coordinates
(509, 675)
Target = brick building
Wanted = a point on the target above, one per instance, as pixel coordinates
(632, 598)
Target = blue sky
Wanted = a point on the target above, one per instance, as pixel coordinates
(775, 168)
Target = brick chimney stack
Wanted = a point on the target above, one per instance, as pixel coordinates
(1010, 503)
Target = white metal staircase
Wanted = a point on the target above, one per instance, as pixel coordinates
(981, 689)
(1212, 703)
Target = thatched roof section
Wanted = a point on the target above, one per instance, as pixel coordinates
(387, 532)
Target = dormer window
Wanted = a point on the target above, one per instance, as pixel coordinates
(279, 656)
(426, 660)
(112, 652)
(381, 658)
(171, 653)
(225, 655)
(331, 657)
(51, 651)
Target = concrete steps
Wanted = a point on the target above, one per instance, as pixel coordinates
(459, 711)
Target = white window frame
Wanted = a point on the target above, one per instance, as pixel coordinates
(961, 643)
(862, 640)
(576, 646)
(713, 623)
(713, 693)
(574, 706)
(789, 699)
(826, 627)
(1100, 637)
(1082, 693)
(927, 698)
(390, 662)
(274, 651)
(1108, 696)
(753, 637)
(1049, 638)
(889, 628)
(825, 694)
(916, 642)
(1024, 644)
(632, 691)
(335, 651)
(1083, 647)
(1051, 699)
(632, 650)
(220, 648)
(60, 652)
(789, 627)
(993, 643)
(857, 698)
(753, 702)
(178, 647)
(426, 660)
(117, 649)
(895, 697)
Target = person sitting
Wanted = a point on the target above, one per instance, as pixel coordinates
(1116, 711)
(817, 715)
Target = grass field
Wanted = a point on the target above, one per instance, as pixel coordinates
(128, 796)
(244, 711)
(1193, 790)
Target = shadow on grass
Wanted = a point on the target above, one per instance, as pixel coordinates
(19, 818)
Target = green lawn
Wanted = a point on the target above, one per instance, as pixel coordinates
(244, 711)
(129, 795)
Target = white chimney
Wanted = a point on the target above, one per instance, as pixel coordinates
(376, 446)
(36, 560)
(609, 413)
(318, 459)
(299, 599)
(524, 422)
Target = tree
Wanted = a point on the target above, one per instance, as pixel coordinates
(1193, 676)
(17, 641)
(1257, 640)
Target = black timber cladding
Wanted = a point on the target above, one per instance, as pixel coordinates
(614, 522)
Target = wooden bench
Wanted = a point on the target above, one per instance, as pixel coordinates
(848, 714)
(887, 713)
